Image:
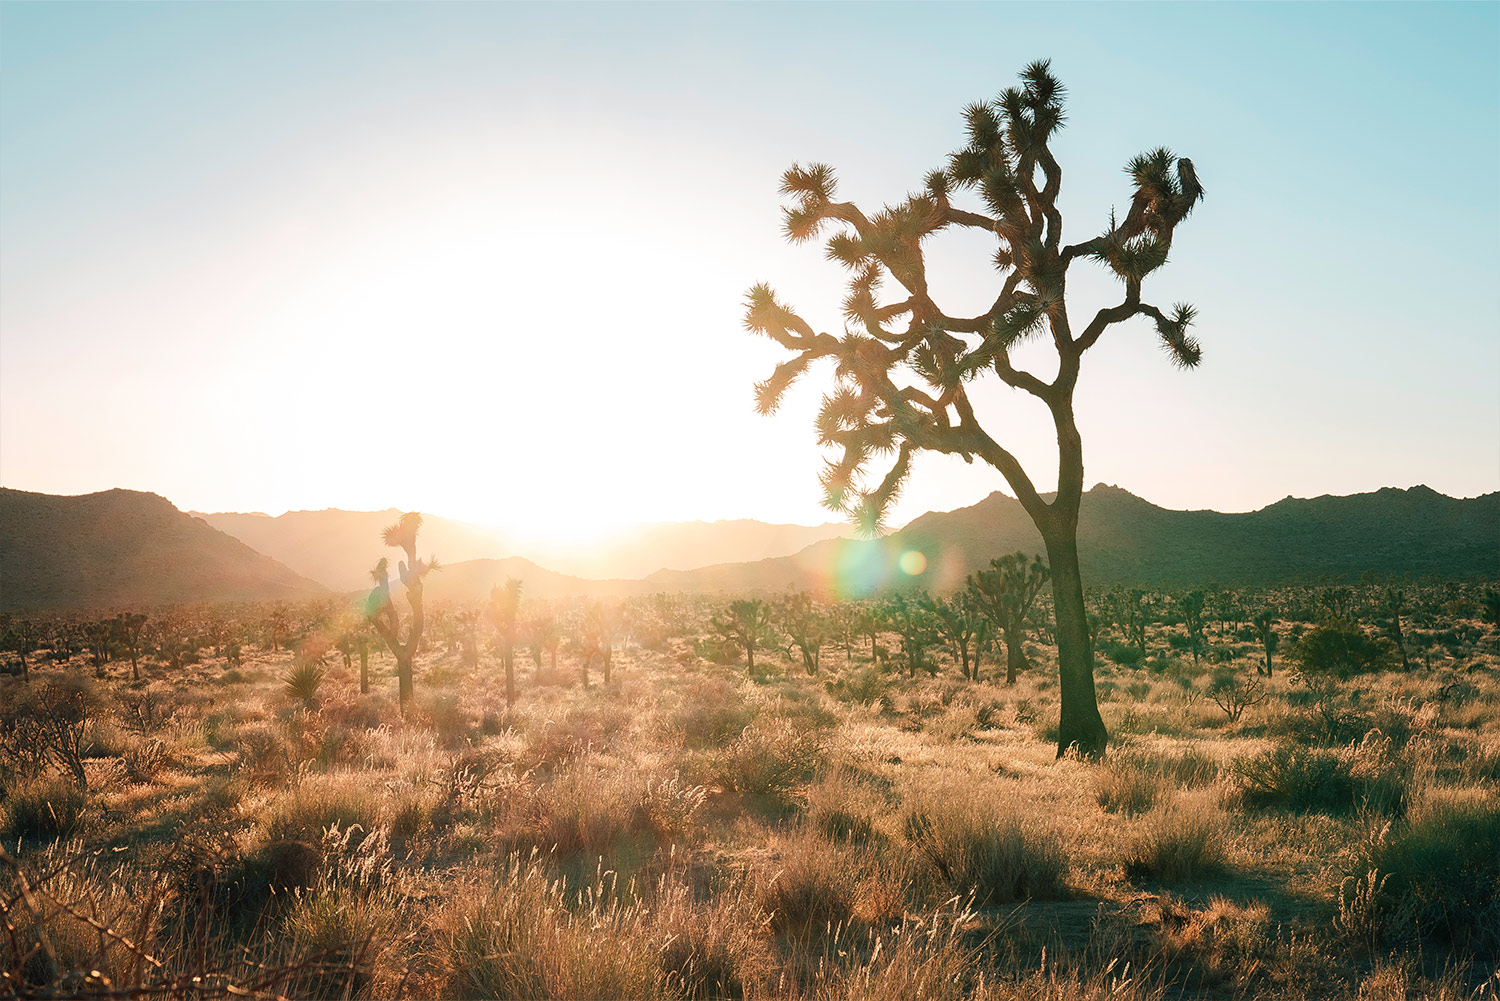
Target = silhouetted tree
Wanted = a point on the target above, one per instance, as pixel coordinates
(130, 630)
(1005, 593)
(874, 411)
(746, 624)
(806, 626)
(1269, 641)
(380, 611)
(505, 607)
(1191, 606)
(964, 625)
(913, 618)
(22, 638)
(1394, 607)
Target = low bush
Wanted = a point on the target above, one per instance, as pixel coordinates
(1179, 842)
(810, 882)
(1122, 784)
(975, 849)
(1324, 780)
(1436, 877)
(44, 809)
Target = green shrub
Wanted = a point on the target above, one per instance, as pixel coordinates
(1340, 649)
(1438, 877)
(1324, 780)
(769, 758)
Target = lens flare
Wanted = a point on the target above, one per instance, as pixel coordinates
(913, 563)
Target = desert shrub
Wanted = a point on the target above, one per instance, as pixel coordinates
(579, 730)
(317, 803)
(145, 759)
(444, 715)
(1340, 649)
(515, 937)
(344, 931)
(44, 809)
(1187, 767)
(264, 751)
(1324, 780)
(973, 848)
(711, 949)
(1436, 877)
(1124, 654)
(1179, 841)
(594, 812)
(768, 758)
(1122, 784)
(709, 712)
(843, 810)
(810, 882)
(862, 687)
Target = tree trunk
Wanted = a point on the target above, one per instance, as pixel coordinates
(509, 657)
(750, 659)
(403, 676)
(1015, 654)
(1079, 724)
(364, 671)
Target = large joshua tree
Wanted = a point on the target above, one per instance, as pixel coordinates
(380, 611)
(904, 366)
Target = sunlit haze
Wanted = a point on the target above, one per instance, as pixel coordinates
(488, 261)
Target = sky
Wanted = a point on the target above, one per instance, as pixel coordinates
(488, 260)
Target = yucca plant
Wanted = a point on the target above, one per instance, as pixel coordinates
(902, 368)
(304, 680)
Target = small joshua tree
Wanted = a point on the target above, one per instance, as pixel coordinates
(129, 630)
(505, 607)
(1191, 605)
(745, 623)
(1005, 592)
(964, 625)
(380, 611)
(806, 626)
(1269, 641)
(914, 619)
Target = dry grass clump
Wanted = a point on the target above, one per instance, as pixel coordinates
(1123, 784)
(524, 935)
(975, 848)
(842, 809)
(770, 757)
(1293, 777)
(1180, 841)
(1433, 877)
(710, 949)
(1203, 945)
(43, 809)
(808, 883)
(587, 810)
(709, 712)
(318, 802)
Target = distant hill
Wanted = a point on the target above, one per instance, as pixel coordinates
(1124, 539)
(689, 545)
(338, 548)
(472, 580)
(126, 548)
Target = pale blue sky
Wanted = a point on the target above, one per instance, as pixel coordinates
(258, 256)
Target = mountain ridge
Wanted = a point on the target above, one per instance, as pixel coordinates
(126, 548)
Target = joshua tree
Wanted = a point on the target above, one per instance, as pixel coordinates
(20, 637)
(874, 410)
(963, 623)
(913, 618)
(380, 611)
(129, 630)
(1192, 617)
(1005, 593)
(745, 623)
(98, 636)
(807, 627)
(1394, 607)
(505, 606)
(467, 622)
(1268, 638)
